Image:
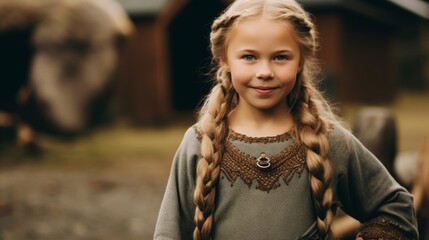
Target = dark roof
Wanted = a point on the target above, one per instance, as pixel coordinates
(377, 8)
(384, 10)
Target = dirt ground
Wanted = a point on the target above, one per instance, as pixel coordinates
(109, 184)
(78, 204)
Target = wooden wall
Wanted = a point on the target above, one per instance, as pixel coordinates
(143, 86)
(358, 56)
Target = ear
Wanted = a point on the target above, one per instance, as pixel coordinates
(301, 65)
(223, 63)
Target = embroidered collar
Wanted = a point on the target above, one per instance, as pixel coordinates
(234, 136)
(284, 165)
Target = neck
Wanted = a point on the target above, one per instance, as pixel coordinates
(260, 123)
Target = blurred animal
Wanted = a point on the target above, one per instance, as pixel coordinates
(58, 61)
(375, 127)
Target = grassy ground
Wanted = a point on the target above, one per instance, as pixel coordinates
(103, 147)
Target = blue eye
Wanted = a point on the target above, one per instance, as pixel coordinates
(248, 57)
(281, 58)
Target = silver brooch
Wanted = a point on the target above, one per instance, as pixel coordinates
(263, 161)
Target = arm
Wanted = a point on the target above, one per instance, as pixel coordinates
(175, 219)
(368, 192)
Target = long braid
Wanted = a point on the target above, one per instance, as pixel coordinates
(214, 129)
(312, 130)
(313, 118)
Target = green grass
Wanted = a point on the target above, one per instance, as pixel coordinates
(104, 147)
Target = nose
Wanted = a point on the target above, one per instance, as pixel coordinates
(265, 72)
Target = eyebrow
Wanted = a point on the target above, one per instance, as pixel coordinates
(281, 51)
(284, 51)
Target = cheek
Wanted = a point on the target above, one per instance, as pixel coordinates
(240, 74)
(287, 75)
(237, 80)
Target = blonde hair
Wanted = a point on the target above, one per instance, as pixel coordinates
(312, 114)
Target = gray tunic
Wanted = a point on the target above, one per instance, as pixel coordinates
(276, 203)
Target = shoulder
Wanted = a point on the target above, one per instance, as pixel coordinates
(192, 134)
(187, 154)
(191, 140)
(343, 148)
(340, 138)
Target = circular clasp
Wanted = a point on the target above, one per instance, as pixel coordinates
(263, 161)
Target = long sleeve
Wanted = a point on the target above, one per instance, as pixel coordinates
(175, 219)
(367, 191)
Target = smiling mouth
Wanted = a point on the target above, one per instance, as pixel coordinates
(264, 90)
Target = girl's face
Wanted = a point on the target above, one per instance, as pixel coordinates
(263, 57)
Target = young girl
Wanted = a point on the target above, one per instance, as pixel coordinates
(267, 158)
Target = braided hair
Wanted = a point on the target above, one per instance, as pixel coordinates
(312, 115)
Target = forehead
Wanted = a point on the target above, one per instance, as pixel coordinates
(262, 31)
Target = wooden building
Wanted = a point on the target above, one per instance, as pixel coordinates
(166, 63)
(164, 69)
(361, 45)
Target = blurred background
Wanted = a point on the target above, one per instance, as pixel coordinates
(95, 96)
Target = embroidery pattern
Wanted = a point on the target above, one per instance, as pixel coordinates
(287, 163)
(382, 228)
(198, 132)
(240, 137)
